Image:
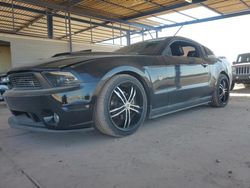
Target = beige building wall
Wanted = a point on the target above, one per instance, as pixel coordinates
(28, 50)
(5, 59)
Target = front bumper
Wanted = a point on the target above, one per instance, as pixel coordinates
(245, 79)
(73, 107)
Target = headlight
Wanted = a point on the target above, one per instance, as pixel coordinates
(61, 79)
(4, 80)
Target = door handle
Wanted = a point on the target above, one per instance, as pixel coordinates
(204, 64)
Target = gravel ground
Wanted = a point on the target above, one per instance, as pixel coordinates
(202, 147)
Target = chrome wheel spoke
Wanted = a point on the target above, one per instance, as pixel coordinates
(132, 95)
(221, 86)
(135, 108)
(224, 91)
(119, 93)
(116, 109)
(221, 96)
(122, 94)
(127, 119)
(137, 111)
(118, 113)
(126, 106)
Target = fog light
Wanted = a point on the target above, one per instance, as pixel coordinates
(56, 118)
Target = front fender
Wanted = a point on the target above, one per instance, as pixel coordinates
(140, 74)
(222, 67)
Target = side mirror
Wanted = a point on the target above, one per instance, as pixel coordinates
(234, 63)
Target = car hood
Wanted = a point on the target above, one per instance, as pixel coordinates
(241, 64)
(57, 63)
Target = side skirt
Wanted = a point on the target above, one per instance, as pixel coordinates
(155, 113)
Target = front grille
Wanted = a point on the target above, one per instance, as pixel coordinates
(243, 70)
(24, 81)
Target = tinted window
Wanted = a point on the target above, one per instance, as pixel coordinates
(151, 47)
(184, 49)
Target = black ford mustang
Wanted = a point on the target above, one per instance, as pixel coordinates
(116, 91)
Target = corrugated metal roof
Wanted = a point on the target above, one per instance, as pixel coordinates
(27, 17)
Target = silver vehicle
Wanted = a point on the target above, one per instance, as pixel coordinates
(241, 70)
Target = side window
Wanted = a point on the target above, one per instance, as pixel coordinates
(239, 59)
(184, 49)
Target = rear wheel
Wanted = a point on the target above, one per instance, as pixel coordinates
(220, 96)
(121, 106)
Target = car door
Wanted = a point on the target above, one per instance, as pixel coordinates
(190, 74)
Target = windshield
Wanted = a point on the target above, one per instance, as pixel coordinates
(244, 58)
(151, 47)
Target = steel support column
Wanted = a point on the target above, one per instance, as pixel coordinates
(156, 34)
(70, 34)
(128, 38)
(50, 25)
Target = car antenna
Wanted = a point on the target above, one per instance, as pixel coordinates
(178, 30)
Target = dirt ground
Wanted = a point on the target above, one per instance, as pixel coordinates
(202, 147)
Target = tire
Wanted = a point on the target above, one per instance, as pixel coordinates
(221, 94)
(121, 107)
(232, 86)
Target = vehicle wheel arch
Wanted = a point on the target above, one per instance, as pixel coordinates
(223, 72)
(142, 77)
(217, 96)
(226, 74)
(144, 84)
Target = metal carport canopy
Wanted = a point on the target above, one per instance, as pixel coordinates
(97, 21)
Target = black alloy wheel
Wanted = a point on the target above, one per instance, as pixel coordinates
(224, 91)
(126, 106)
(121, 107)
(221, 94)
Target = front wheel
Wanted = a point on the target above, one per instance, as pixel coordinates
(121, 106)
(221, 94)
